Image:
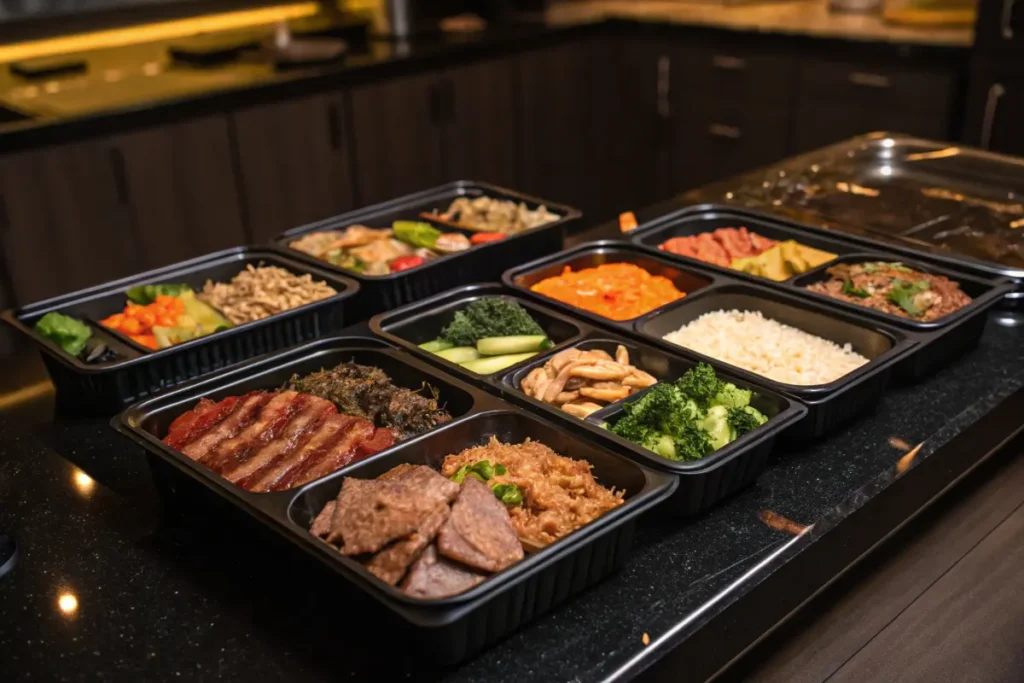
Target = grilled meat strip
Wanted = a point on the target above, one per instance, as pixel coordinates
(274, 441)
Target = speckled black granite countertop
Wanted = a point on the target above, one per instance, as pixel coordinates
(110, 587)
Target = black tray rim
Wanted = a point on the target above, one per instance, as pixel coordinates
(13, 317)
(903, 343)
(280, 243)
(792, 410)
(508, 278)
(379, 324)
(996, 290)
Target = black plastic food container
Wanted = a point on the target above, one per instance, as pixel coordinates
(704, 483)
(687, 279)
(422, 322)
(449, 629)
(689, 223)
(380, 293)
(829, 404)
(104, 388)
(939, 341)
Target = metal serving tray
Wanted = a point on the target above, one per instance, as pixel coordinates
(385, 292)
(447, 629)
(107, 387)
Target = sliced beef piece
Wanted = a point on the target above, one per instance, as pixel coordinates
(432, 576)
(479, 533)
(683, 246)
(390, 564)
(198, 420)
(710, 251)
(245, 411)
(322, 524)
(372, 513)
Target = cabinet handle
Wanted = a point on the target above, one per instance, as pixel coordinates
(869, 80)
(334, 125)
(5, 217)
(120, 175)
(995, 93)
(720, 130)
(435, 104)
(1005, 25)
(663, 105)
(727, 62)
(448, 114)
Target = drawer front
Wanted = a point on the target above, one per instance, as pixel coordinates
(877, 87)
(718, 139)
(735, 73)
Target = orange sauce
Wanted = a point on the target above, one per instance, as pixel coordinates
(619, 291)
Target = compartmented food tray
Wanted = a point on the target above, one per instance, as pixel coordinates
(702, 483)
(691, 223)
(688, 279)
(414, 324)
(447, 629)
(830, 404)
(940, 340)
(380, 293)
(137, 371)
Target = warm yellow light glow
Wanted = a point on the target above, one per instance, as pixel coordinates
(164, 30)
(67, 603)
(83, 482)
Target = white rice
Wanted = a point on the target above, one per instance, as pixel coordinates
(748, 340)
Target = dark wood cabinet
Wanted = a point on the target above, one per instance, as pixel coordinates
(397, 140)
(840, 100)
(557, 134)
(995, 110)
(181, 185)
(295, 163)
(480, 138)
(629, 112)
(65, 219)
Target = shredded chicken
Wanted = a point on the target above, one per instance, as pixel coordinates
(559, 494)
(257, 293)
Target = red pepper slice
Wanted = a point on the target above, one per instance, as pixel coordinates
(405, 263)
(485, 237)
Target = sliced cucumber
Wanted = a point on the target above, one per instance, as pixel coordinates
(500, 346)
(492, 364)
(436, 345)
(459, 354)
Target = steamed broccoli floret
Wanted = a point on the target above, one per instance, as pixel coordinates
(492, 317)
(745, 419)
(716, 425)
(655, 406)
(700, 383)
(692, 444)
(731, 396)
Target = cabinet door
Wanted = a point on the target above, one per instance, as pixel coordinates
(480, 136)
(397, 137)
(295, 163)
(995, 110)
(556, 135)
(629, 111)
(66, 220)
(717, 139)
(183, 190)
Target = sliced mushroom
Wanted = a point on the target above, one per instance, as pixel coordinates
(581, 410)
(604, 371)
(639, 379)
(561, 359)
(541, 386)
(566, 397)
(596, 354)
(621, 355)
(529, 383)
(575, 383)
(558, 383)
(607, 395)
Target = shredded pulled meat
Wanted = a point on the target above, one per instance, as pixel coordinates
(560, 494)
(894, 289)
(257, 293)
